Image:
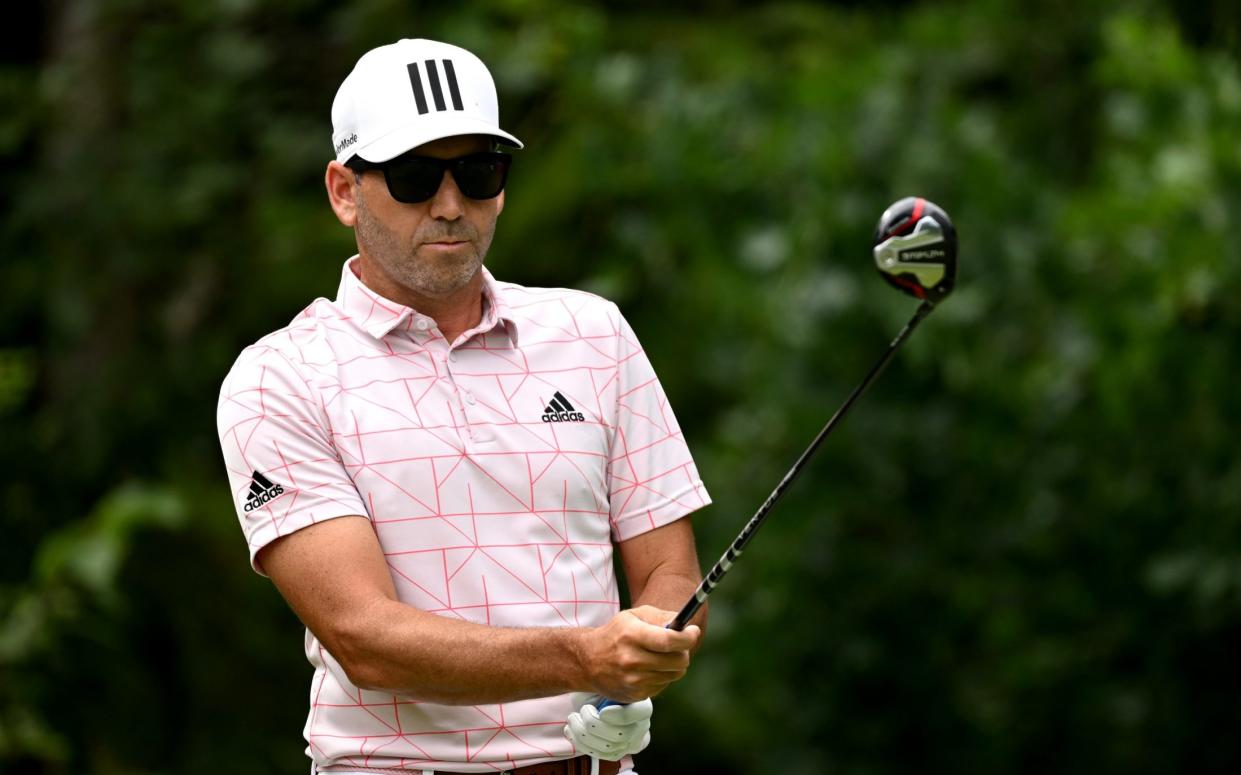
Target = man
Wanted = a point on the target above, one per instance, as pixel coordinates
(435, 468)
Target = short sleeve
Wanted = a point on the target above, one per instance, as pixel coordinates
(283, 469)
(652, 477)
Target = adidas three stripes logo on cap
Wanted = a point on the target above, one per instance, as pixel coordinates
(437, 91)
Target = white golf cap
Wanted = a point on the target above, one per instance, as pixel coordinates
(409, 93)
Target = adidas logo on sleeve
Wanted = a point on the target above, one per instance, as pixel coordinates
(262, 490)
(560, 410)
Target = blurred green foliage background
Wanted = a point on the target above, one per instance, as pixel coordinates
(1022, 554)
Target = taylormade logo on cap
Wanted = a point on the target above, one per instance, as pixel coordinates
(348, 141)
(412, 92)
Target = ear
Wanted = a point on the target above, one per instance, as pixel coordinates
(500, 203)
(342, 192)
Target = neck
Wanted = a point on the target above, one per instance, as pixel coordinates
(454, 313)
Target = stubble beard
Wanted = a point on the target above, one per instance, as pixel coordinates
(433, 276)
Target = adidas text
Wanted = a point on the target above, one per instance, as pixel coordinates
(560, 410)
(258, 500)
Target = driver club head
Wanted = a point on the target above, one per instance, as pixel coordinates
(916, 248)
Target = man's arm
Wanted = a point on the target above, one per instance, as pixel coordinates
(661, 567)
(334, 576)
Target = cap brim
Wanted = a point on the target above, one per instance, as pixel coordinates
(407, 138)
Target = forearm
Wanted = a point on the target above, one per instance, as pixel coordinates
(334, 577)
(661, 567)
(397, 648)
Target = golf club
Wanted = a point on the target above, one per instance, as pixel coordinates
(915, 250)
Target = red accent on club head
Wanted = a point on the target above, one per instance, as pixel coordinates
(908, 223)
(914, 288)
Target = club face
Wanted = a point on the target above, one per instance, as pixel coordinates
(916, 248)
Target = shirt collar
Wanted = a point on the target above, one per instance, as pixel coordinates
(379, 316)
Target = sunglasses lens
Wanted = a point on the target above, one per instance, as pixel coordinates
(482, 175)
(413, 180)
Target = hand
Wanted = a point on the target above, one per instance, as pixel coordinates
(634, 656)
(615, 732)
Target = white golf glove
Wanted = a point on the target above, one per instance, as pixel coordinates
(612, 733)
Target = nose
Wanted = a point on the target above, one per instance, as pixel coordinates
(448, 203)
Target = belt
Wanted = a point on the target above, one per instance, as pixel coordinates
(576, 766)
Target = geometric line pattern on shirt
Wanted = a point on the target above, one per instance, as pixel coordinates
(484, 511)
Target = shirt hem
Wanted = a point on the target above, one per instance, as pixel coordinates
(664, 513)
(277, 535)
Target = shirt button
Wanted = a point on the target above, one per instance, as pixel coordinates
(422, 324)
(470, 399)
(452, 356)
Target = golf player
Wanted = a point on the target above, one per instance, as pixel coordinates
(435, 467)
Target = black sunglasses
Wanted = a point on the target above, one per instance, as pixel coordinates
(412, 179)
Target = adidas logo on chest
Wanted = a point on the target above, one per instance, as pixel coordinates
(560, 410)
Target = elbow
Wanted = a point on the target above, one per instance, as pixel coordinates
(359, 670)
(353, 647)
(364, 675)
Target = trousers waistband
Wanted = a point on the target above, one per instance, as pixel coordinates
(579, 765)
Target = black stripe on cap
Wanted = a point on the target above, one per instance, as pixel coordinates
(450, 73)
(415, 80)
(437, 92)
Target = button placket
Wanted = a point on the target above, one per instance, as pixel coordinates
(467, 402)
(464, 397)
(478, 431)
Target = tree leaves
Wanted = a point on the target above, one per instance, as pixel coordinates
(1019, 553)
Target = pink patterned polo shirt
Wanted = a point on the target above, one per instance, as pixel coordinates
(497, 472)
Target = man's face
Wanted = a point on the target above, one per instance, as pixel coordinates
(432, 248)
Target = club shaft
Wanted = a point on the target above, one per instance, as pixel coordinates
(738, 546)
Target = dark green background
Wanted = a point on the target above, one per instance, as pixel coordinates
(1022, 553)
